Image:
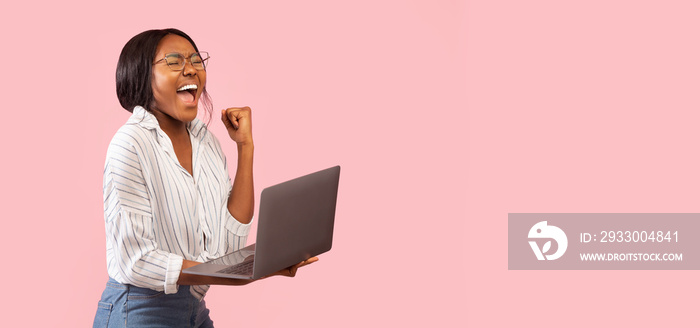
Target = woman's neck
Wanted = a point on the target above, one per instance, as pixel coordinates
(176, 130)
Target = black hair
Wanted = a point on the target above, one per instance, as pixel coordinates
(135, 70)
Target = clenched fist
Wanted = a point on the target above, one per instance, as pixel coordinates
(238, 124)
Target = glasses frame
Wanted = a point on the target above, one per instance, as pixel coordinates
(202, 54)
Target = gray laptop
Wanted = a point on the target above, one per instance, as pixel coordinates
(295, 223)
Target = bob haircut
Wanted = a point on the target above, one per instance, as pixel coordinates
(135, 70)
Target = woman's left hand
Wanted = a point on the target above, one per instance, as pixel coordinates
(292, 270)
(237, 121)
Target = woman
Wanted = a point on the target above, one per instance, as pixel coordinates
(169, 202)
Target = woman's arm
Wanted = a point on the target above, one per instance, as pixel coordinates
(133, 254)
(193, 279)
(241, 201)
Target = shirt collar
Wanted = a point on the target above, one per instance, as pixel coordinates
(140, 116)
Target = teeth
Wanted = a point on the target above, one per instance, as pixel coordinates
(187, 87)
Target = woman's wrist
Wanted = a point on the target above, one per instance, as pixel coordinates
(245, 146)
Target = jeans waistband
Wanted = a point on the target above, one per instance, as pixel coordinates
(115, 284)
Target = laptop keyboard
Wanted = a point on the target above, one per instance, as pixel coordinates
(243, 268)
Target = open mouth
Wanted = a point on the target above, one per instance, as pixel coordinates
(187, 93)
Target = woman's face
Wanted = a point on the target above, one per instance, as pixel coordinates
(169, 103)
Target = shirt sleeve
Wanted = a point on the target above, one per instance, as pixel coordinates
(236, 233)
(132, 251)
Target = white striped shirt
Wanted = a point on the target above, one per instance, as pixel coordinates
(156, 213)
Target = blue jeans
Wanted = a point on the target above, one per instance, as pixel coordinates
(124, 306)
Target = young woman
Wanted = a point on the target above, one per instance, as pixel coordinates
(168, 200)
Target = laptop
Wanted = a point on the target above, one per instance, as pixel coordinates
(295, 223)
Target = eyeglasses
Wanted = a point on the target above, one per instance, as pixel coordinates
(176, 61)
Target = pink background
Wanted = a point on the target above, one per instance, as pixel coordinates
(444, 115)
